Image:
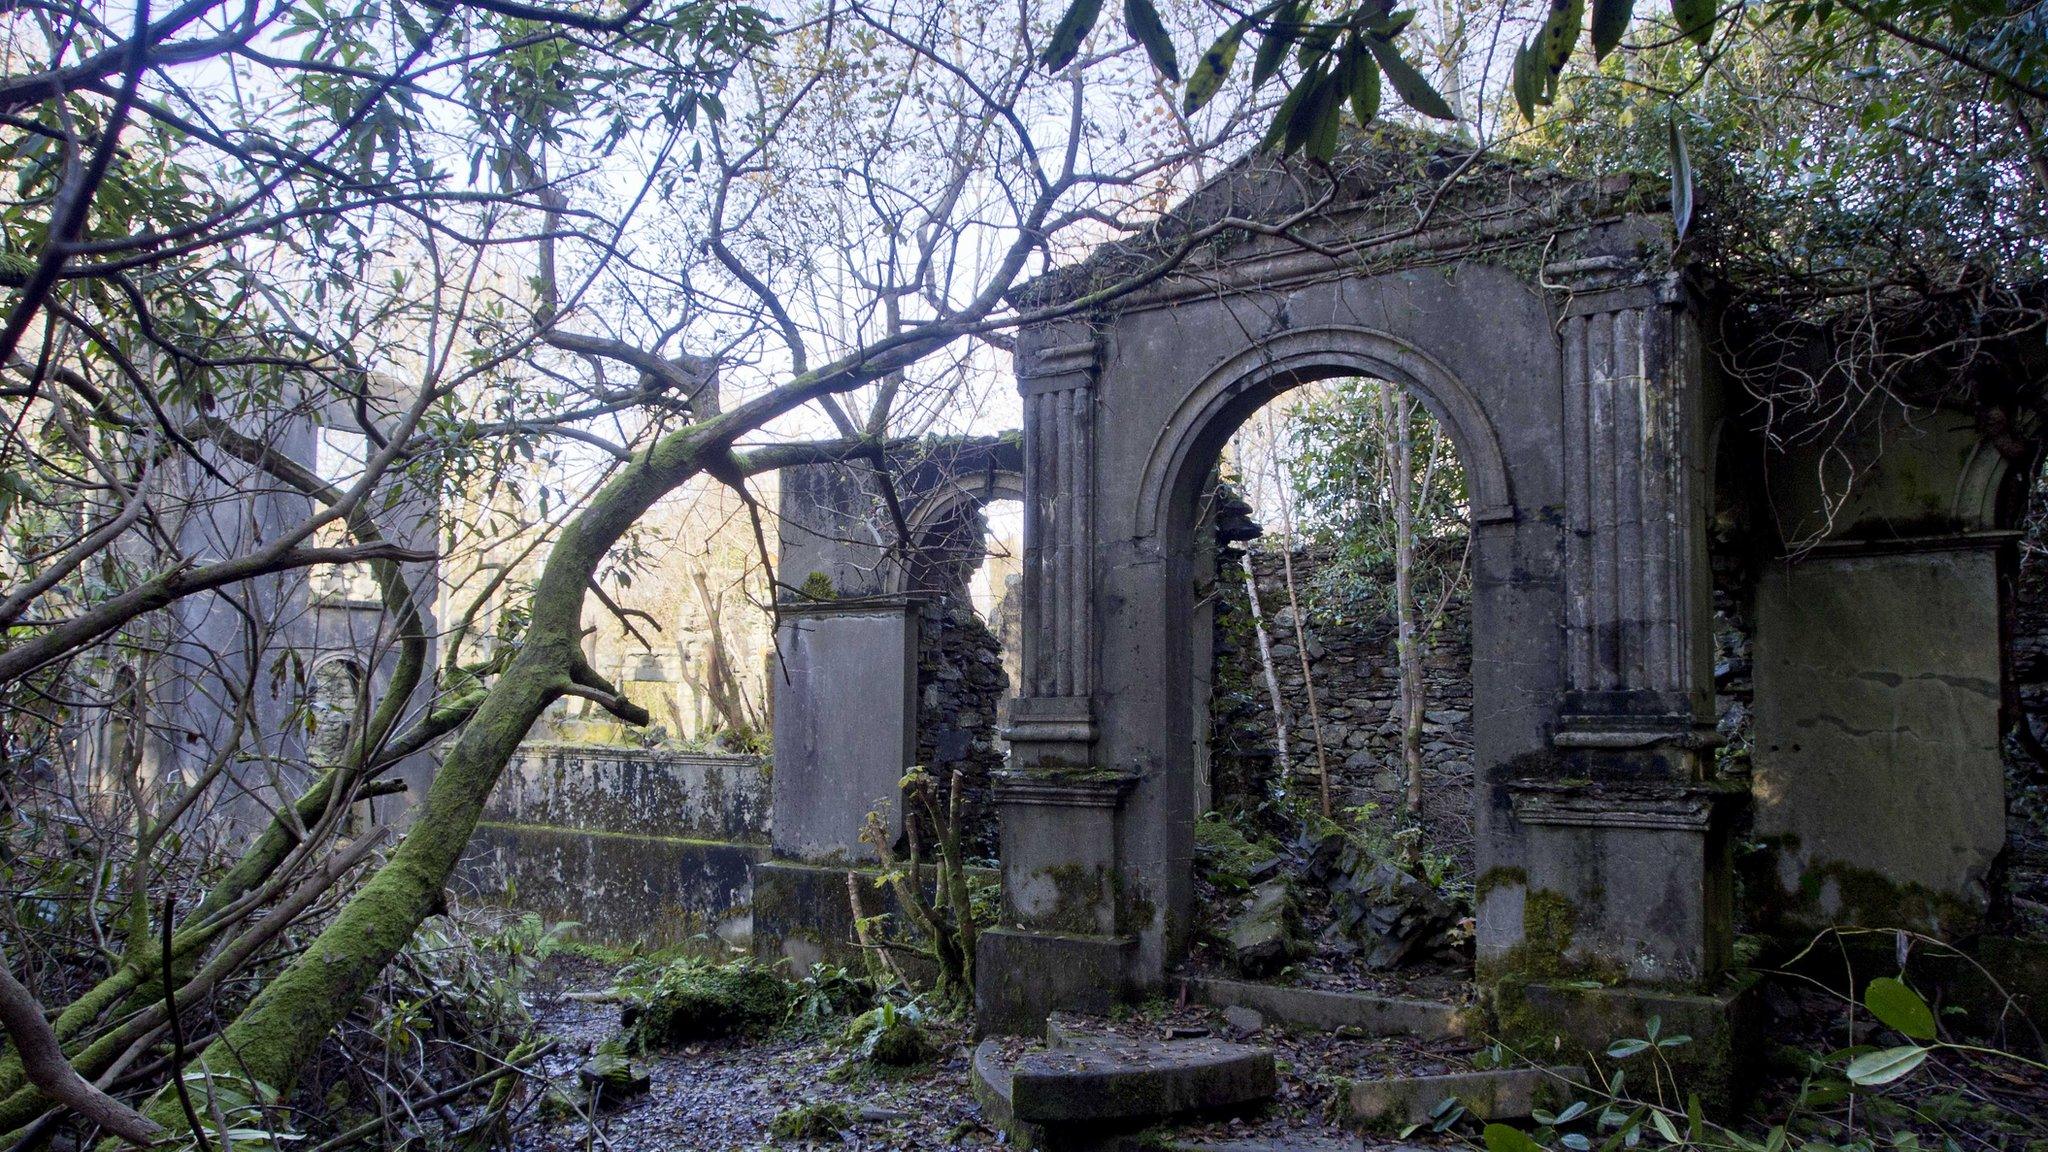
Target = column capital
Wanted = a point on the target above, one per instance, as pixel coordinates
(1065, 788)
(1594, 284)
(1060, 360)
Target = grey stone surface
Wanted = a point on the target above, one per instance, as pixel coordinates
(619, 888)
(845, 724)
(1023, 977)
(801, 913)
(1395, 916)
(1631, 877)
(1877, 760)
(1244, 1020)
(1327, 1011)
(646, 792)
(1113, 1082)
(636, 847)
(1509, 1094)
(1720, 1062)
(1264, 937)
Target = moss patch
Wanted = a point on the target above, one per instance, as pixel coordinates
(1225, 856)
(691, 1000)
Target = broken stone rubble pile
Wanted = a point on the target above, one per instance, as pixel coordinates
(1378, 912)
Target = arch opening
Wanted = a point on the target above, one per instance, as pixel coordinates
(1317, 527)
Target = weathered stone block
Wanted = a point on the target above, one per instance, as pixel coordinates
(618, 888)
(1508, 1094)
(845, 723)
(1718, 1062)
(1877, 741)
(1082, 1092)
(1021, 977)
(1326, 1011)
(1264, 937)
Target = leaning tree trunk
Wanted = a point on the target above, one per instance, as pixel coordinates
(288, 1020)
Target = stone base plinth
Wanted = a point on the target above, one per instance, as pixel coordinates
(1060, 849)
(1553, 1021)
(1625, 882)
(1021, 977)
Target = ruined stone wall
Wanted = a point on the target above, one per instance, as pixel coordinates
(636, 847)
(961, 687)
(1354, 668)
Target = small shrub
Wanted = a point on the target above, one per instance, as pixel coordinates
(828, 990)
(891, 1036)
(696, 1000)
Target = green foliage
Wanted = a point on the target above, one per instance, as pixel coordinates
(1899, 1007)
(693, 999)
(1342, 473)
(1225, 856)
(828, 991)
(811, 1120)
(818, 586)
(1834, 1109)
(1829, 167)
(1342, 59)
(891, 1035)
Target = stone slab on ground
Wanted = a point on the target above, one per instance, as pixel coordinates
(1505, 1094)
(1086, 1088)
(1327, 1011)
(1150, 1143)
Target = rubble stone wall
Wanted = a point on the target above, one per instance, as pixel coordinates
(1356, 676)
(961, 687)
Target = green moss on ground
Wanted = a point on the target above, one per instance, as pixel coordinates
(691, 1000)
(812, 1120)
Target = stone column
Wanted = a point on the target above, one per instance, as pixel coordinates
(1628, 866)
(1051, 721)
(1061, 943)
(1638, 608)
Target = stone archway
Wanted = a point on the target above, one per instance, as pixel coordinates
(1570, 379)
(1247, 381)
(1186, 452)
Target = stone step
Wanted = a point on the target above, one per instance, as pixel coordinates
(1327, 1011)
(1087, 1089)
(1255, 1144)
(1503, 1094)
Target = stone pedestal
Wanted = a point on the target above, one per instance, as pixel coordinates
(1060, 945)
(1626, 880)
(845, 723)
